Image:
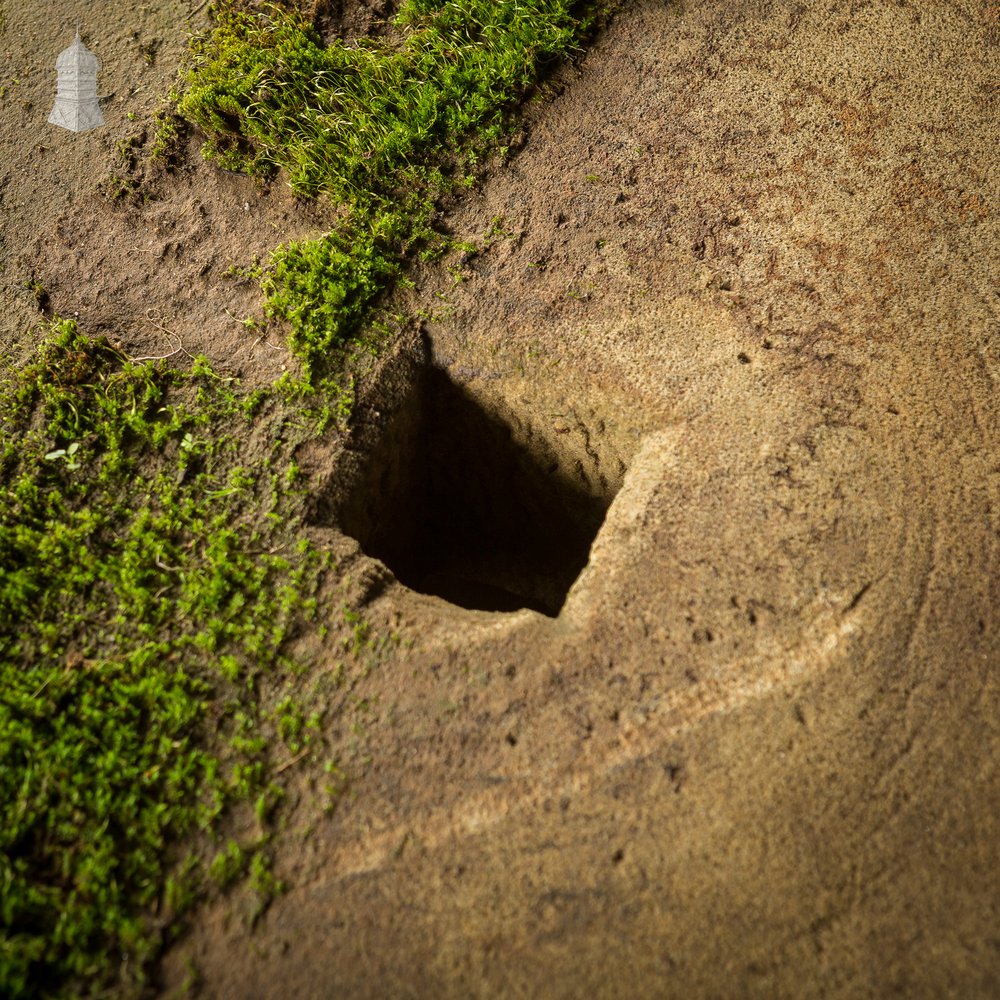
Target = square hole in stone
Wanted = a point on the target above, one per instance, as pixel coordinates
(488, 512)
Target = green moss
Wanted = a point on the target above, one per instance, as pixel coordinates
(325, 289)
(153, 566)
(383, 130)
(138, 590)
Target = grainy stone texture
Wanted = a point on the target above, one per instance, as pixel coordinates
(748, 252)
(91, 230)
(756, 753)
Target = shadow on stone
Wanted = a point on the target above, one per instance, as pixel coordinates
(461, 505)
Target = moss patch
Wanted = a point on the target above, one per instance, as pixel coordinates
(384, 129)
(154, 564)
(151, 576)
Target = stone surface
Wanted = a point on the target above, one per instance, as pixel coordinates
(756, 754)
(745, 266)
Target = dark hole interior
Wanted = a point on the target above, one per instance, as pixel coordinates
(458, 506)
